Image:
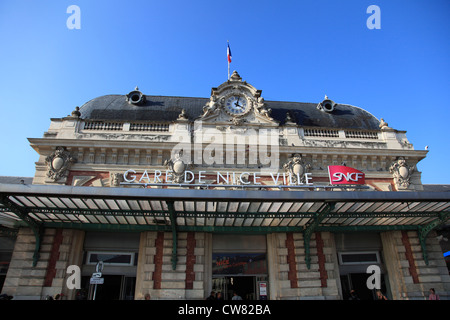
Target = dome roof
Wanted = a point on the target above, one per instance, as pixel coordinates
(167, 109)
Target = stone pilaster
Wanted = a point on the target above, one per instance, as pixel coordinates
(23, 281)
(317, 282)
(155, 274)
(410, 278)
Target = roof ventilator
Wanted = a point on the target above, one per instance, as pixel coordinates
(135, 97)
(326, 105)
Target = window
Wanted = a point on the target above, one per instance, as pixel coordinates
(239, 263)
(362, 257)
(111, 258)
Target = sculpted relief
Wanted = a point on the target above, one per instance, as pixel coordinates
(237, 102)
(296, 168)
(58, 163)
(178, 168)
(401, 173)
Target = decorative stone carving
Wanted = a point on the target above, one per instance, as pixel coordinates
(76, 113)
(212, 106)
(297, 168)
(182, 116)
(384, 125)
(235, 99)
(235, 76)
(238, 121)
(401, 172)
(178, 167)
(115, 179)
(58, 163)
(289, 120)
(261, 108)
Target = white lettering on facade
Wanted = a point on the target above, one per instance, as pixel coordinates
(350, 176)
(229, 178)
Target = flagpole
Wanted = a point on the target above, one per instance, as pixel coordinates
(228, 43)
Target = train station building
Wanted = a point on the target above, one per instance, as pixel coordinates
(176, 197)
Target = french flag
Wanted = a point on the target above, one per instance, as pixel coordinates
(229, 53)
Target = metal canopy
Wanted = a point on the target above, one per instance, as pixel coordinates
(233, 211)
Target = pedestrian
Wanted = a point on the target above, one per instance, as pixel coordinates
(81, 295)
(147, 296)
(433, 295)
(236, 296)
(381, 296)
(353, 295)
(219, 296)
(212, 296)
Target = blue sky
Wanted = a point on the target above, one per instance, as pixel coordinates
(291, 50)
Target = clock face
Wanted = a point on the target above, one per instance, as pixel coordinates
(236, 105)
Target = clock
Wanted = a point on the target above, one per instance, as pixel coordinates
(236, 105)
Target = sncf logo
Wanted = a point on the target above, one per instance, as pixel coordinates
(345, 175)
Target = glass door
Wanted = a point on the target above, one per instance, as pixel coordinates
(128, 287)
(114, 287)
(245, 287)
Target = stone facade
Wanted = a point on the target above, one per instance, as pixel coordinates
(290, 277)
(59, 249)
(84, 149)
(155, 274)
(409, 275)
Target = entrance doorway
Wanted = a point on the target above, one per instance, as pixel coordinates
(239, 263)
(114, 287)
(357, 282)
(247, 287)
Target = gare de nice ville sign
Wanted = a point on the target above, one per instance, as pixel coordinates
(339, 175)
(259, 151)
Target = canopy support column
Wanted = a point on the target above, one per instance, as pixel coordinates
(313, 227)
(36, 227)
(425, 230)
(173, 223)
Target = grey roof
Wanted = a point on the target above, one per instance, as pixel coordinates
(16, 180)
(436, 187)
(167, 109)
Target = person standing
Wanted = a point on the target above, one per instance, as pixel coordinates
(236, 296)
(212, 296)
(381, 296)
(433, 295)
(219, 296)
(353, 295)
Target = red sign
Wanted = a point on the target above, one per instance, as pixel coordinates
(345, 175)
